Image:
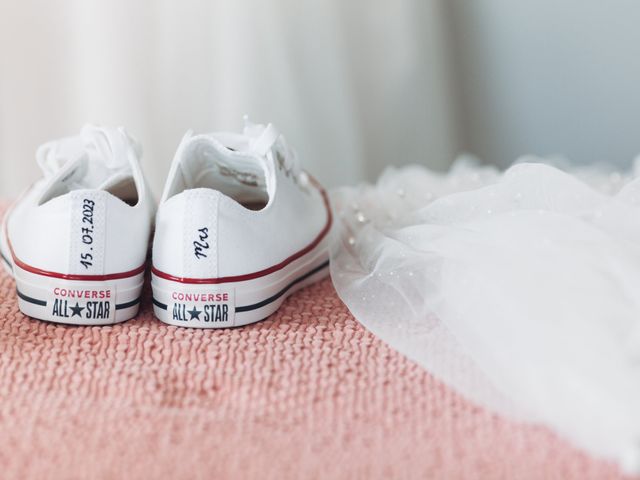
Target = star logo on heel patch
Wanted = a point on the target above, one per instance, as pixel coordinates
(77, 310)
(195, 313)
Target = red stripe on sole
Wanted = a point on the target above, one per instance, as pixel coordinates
(67, 276)
(82, 278)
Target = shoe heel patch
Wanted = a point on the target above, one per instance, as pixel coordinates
(82, 302)
(203, 306)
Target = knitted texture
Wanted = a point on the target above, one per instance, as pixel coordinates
(307, 393)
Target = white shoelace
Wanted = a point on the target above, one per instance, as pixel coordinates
(107, 146)
(264, 137)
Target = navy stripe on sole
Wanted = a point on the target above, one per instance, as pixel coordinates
(35, 301)
(272, 298)
(158, 304)
(121, 306)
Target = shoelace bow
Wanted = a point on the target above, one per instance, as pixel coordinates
(107, 145)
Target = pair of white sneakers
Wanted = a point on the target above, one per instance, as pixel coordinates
(239, 228)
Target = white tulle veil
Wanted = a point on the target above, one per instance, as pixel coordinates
(520, 289)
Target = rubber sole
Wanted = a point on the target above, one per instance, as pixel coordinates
(238, 303)
(73, 302)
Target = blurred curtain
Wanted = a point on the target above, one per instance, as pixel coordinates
(354, 85)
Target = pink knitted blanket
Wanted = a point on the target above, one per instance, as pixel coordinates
(305, 394)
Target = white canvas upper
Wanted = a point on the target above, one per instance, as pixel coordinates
(85, 225)
(253, 167)
(239, 220)
(102, 165)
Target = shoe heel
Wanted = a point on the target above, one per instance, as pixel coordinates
(78, 302)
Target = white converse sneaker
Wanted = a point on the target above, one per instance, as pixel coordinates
(239, 228)
(77, 240)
